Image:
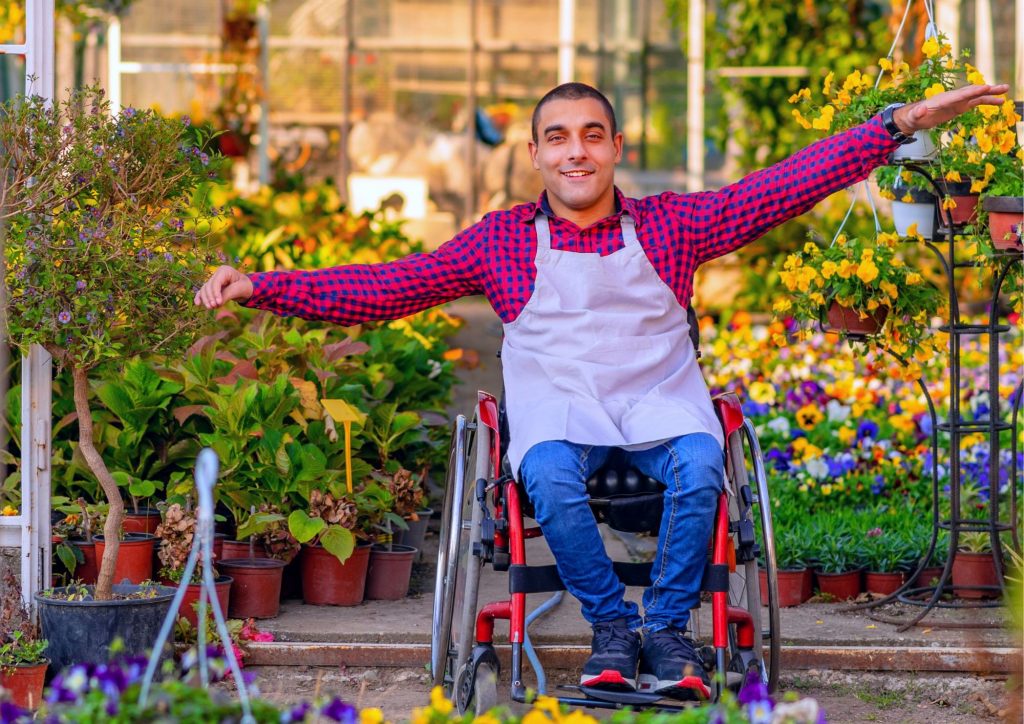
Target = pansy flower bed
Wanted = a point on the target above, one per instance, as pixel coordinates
(841, 428)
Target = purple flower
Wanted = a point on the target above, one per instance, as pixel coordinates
(186, 121)
(168, 256)
(753, 689)
(144, 255)
(98, 150)
(337, 710)
(80, 285)
(296, 714)
(64, 317)
(204, 159)
(868, 428)
(128, 112)
(11, 713)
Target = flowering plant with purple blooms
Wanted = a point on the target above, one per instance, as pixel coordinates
(103, 249)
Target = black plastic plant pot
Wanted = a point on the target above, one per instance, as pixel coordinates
(1004, 204)
(917, 196)
(83, 631)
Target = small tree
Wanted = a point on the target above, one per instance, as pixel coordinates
(102, 254)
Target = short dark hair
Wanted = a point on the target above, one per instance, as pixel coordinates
(573, 92)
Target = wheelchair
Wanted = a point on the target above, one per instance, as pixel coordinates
(482, 523)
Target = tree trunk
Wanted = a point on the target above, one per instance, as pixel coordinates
(115, 514)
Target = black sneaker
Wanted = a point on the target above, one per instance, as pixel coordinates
(614, 651)
(670, 666)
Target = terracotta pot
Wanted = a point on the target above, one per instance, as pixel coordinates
(927, 575)
(389, 571)
(89, 568)
(974, 575)
(1005, 221)
(883, 583)
(326, 582)
(416, 533)
(134, 557)
(841, 586)
(240, 549)
(966, 203)
(794, 587)
(25, 683)
(223, 586)
(256, 592)
(144, 521)
(844, 319)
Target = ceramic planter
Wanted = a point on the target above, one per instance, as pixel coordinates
(327, 582)
(922, 149)
(134, 557)
(920, 210)
(974, 575)
(82, 631)
(256, 592)
(1005, 220)
(965, 210)
(24, 682)
(222, 584)
(844, 319)
(145, 520)
(883, 583)
(389, 571)
(841, 586)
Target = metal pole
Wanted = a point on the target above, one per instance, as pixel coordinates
(345, 165)
(263, 150)
(566, 40)
(114, 63)
(471, 100)
(695, 97)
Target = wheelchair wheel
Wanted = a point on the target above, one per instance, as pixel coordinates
(458, 570)
(476, 690)
(745, 467)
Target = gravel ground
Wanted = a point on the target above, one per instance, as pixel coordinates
(846, 697)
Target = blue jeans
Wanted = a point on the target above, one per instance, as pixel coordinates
(691, 467)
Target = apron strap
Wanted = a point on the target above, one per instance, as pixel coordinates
(628, 230)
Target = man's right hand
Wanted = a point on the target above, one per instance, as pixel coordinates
(225, 285)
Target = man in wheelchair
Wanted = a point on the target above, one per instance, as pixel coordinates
(593, 289)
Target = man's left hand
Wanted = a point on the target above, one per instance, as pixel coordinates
(946, 106)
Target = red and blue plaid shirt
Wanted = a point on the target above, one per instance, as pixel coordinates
(494, 256)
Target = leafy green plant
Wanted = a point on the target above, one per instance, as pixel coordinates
(100, 263)
(19, 635)
(22, 651)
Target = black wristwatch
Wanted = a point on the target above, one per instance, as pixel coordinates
(890, 125)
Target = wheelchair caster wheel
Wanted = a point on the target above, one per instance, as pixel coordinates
(476, 684)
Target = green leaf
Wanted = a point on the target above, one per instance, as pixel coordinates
(141, 488)
(303, 527)
(339, 542)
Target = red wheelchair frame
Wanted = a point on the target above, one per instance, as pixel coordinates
(497, 535)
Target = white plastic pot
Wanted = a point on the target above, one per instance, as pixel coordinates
(922, 149)
(903, 215)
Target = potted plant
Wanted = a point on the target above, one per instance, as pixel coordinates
(258, 575)
(887, 556)
(23, 659)
(794, 577)
(1003, 201)
(974, 569)
(836, 573)
(913, 200)
(390, 566)
(176, 533)
(77, 549)
(862, 289)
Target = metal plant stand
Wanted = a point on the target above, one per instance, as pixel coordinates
(930, 597)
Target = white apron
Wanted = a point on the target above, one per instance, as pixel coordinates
(601, 354)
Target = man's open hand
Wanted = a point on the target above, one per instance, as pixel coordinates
(946, 106)
(225, 285)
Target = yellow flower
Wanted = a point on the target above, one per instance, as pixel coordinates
(824, 121)
(793, 262)
(885, 64)
(930, 47)
(809, 416)
(887, 194)
(804, 123)
(439, 702)
(826, 87)
(872, 306)
(826, 489)
(486, 719)
(948, 203)
(816, 297)
(846, 435)
(914, 278)
(1006, 141)
(907, 198)
(372, 716)
(1010, 112)
(804, 94)
(847, 269)
(9, 510)
(989, 170)
(782, 305)
(867, 271)
(934, 90)
(889, 288)
(953, 176)
(842, 240)
(974, 76)
(888, 240)
(578, 717)
(762, 393)
(811, 248)
(535, 717)
(978, 186)
(842, 98)
(548, 705)
(779, 340)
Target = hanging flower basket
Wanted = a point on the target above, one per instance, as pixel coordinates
(914, 206)
(845, 319)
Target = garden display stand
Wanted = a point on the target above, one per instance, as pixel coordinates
(930, 597)
(207, 467)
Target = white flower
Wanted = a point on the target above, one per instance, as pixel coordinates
(804, 711)
(817, 468)
(779, 425)
(837, 412)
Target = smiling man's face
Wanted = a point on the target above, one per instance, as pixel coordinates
(576, 153)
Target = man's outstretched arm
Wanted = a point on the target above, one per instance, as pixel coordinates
(357, 293)
(717, 222)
